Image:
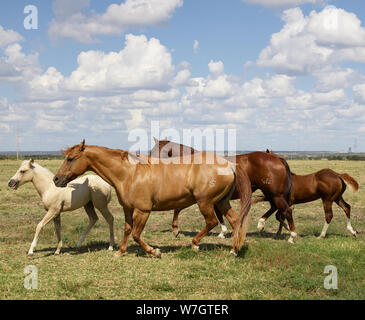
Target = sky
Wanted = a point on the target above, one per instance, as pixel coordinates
(284, 74)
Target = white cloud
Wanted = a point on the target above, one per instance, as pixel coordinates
(142, 63)
(283, 3)
(16, 66)
(216, 68)
(115, 21)
(8, 36)
(359, 92)
(329, 78)
(306, 44)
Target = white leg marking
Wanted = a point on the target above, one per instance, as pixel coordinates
(293, 235)
(349, 227)
(223, 231)
(324, 230)
(261, 224)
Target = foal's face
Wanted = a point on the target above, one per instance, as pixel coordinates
(23, 175)
(74, 165)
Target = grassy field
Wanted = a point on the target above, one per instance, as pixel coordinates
(267, 268)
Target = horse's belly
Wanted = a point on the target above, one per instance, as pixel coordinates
(172, 204)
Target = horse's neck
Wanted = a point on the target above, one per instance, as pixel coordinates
(108, 164)
(42, 180)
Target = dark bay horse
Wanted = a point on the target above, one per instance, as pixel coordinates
(142, 186)
(266, 172)
(324, 184)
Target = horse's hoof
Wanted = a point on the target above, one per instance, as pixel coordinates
(195, 247)
(30, 255)
(233, 253)
(57, 253)
(261, 225)
(110, 248)
(221, 235)
(157, 253)
(117, 255)
(176, 233)
(321, 237)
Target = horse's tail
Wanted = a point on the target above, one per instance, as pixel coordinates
(350, 181)
(288, 180)
(245, 193)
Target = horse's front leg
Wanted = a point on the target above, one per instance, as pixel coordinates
(51, 214)
(57, 225)
(139, 221)
(128, 225)
(175, 227)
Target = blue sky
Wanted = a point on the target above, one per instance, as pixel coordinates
(286, 74)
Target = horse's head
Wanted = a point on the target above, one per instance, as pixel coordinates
(162, 149)
(74, 165)
(23, 175)
(271, 152)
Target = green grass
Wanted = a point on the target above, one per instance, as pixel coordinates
(267, 267)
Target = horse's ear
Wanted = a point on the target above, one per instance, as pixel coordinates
(124, 155)
(164, 139)
(156, 140)
(268, 151)
(31, 162)
(82, 145)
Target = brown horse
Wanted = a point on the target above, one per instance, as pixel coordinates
(142, 186)
(324, 184)
(266, 172)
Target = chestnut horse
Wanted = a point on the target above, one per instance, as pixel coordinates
(142, 186)
(324, 184)
(266, 172)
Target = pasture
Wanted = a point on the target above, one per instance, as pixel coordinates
(267, 267)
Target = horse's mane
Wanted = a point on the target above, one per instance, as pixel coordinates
(65, 152)
(43, 169)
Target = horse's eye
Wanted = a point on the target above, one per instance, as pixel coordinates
(70, 159)
(22, 171)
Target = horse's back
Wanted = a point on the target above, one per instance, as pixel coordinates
(90, 188)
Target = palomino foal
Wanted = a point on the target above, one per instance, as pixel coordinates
(89, 191)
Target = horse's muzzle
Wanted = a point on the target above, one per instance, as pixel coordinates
(13, 184)
(60, 182)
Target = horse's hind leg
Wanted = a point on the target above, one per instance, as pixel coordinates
(327, 205)
(175, 228)
(211, 221)
(262, 220)
(57, 225)
(89, 208)
(219, 216)
(286, 212)
(279, 217)
(110, 220)
(347, 208)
